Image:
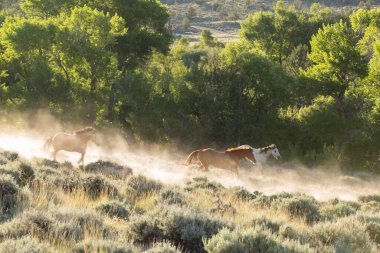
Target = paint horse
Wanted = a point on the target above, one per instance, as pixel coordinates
(262, 154)
(76, 142)
(228, 159)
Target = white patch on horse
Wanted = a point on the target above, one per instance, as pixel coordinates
(262, 154)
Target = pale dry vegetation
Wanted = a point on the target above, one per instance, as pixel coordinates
(48, 206)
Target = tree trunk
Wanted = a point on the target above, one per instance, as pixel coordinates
(92, 100)
(111, 103)
(346, 137)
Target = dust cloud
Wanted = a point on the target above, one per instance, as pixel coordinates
(26, 134)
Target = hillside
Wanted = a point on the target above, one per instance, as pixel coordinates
(56, 207)
(223, 17)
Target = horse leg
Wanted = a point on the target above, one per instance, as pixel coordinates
(204, 166)
(54, 154)
(236, 169)
(82, 158)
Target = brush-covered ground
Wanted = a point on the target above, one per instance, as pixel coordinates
(48, 206)
(223, 17)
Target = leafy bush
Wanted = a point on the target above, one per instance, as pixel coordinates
(162, 247)
(32, 222)
(264, 201)
(9, 155)
(339, 209)
(23, 245)
(67, 183)
(203, 183)
(369, 198)
(289, 232)
(49, 163)
(243, 194)
(71, 224)
(96, 185)
(301, 207)
(113, 209)
(138, 186)
(266, 223)
(254, 240)
(103, 246)
(372, 226)
(11, 172)
(26, 174)
(9, 194)
(110, 169)
(184, 228)
(172, 196)
(144, 229)
(371, 207)
(345, 236)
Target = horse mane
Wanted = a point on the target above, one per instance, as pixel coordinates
(266, 149)
(238, 149)
(84, 130)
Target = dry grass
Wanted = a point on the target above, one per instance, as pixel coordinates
(57, 212)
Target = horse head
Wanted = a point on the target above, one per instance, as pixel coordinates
(274, 151)
(86, 133)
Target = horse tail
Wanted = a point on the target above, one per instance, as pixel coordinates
(191, 157)
(48, 143)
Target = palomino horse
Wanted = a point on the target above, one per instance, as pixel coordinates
(76, 142)
(228, 159)
(262, 154)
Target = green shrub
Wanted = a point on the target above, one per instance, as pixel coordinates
(185, 228)
(113, 209)
(9, 155)
(372, 226)
(243, 194)
(162, 247)
(26, 174)
(103, 246)
(10, 171)
(31, 222)
(138, 186)
(71, 224)
(287, 231)
(172, 196)
(23, 245)
(54, 164)
(345, 236)
(144, 229)
(203, 183)
(339, 209)
(264, 201)
(301, 207)
(9, 196)
(255, 240)
(369, 198)
(96, 185)
(266, 223)
(371, 207)
(48, 163)
(109, 169)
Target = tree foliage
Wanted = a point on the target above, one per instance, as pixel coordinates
(305, 79)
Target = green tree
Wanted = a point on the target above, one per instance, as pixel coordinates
(275, 34)
(337, 64)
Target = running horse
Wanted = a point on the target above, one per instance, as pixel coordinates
(228, 159)
(76, 142)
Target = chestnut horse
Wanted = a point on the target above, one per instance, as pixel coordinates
(228, 159)
(76, 142)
